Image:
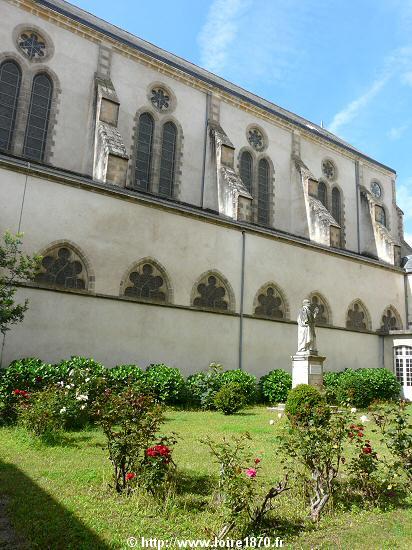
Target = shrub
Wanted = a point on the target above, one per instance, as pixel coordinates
(275, 386)
(364, 466)
(331, 385)
(230, 398)
(239, 493)
(246, 381)
(316, 447)
(395, 427)
(29, 374)
(130, 422)
(165, 383)
(203, 386)
(305, 405)
(360, 387)
(84, 382)
(121, 376)
(39, 412)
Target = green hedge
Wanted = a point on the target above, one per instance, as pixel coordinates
(86, 376)
(359, 388)
(306, 406)
(275, 386)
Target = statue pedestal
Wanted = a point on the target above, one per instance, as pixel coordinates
(307, 369)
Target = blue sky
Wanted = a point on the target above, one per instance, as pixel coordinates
(348, 64)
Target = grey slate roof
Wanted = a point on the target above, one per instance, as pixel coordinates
(86, 18)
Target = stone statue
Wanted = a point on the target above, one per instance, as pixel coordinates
(306, 329)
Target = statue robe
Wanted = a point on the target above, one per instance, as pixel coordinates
(306, 331)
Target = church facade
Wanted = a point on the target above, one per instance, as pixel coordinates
(181, 218)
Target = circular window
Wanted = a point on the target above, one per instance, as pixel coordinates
(160, 98)
(376, 189)
(32, 44)
(256, 138)
(329, 169)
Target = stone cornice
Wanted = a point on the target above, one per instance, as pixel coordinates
(96, 30)
(64, 177)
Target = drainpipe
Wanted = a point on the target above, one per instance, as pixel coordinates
(382, 350)
(242, 289)
(405, 286)
(208, 99)
(357, 185)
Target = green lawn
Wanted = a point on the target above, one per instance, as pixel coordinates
(59, 498)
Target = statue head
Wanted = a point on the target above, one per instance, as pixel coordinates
(306, 303)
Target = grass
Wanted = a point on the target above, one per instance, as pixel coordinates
(58, 496)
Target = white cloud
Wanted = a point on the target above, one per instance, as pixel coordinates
(348, 113)
(397, 132)
(219, 32)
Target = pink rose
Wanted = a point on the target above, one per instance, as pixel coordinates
(251, 472)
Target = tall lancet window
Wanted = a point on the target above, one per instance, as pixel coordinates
(10, 78)
(246, 170)
(263, 192)
(336, 205)
(167, 160)
(38, 119)
(323, 193)
(144, 152)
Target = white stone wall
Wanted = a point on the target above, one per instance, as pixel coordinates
(114, 232)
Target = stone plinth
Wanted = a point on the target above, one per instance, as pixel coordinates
(307, 369)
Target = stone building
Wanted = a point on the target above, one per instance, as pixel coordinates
(181, 218)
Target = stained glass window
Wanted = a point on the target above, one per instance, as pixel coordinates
(61, 267)
(246, 170)
(38, 119)
(211, 295)
(323, 193)
(263, 192)
(336, 205)
(167, 160)
(10, 78)
(144, 152)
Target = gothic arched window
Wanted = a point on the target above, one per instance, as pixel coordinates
(390, 320)
(269, 302)
(62, 267)
(212, 291)
(246, 170)
(167, 160)
(38, 118)
(144, 152)
(323, 193)
(357, 317)
(10, 78)
(263, 192)
(380, 215)
(336, 205)
(323, 316)
(148, 281)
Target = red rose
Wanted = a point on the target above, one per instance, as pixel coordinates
(360, 434)
(257, 460)
(367, 450)
(350, 435)
(163, 450)
(130, 475)
(151, 452)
